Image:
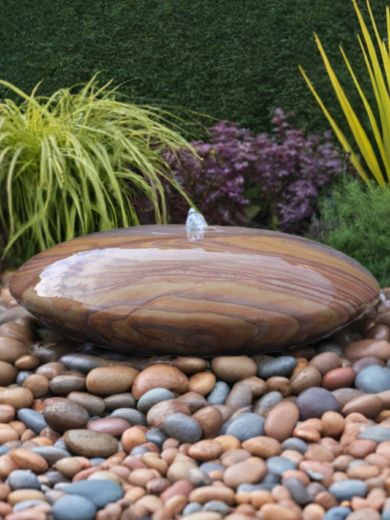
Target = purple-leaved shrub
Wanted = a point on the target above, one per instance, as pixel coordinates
(273, 179)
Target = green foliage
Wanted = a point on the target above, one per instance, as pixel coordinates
(355, 220)
(75, 163)
(233, 59)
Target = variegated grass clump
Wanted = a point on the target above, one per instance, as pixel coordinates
(373, 142)
(75, 162)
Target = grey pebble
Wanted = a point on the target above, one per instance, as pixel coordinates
(26, 504)
(182, 427)
(100, 492)
(295, 444)
(22, 376)
(337, 513)
(51, 453)
(315, 401)
(157, 436)
(373, 379)
(81, 362)
(32, 419)
(246, 426)
(297, 491)
(23, 478)
(376, 434)
(131, 415)
(346, 489)
(219, 393)
(217, 506)
(66, 507)
(152, 397)
(278, 366)
(115, 401)
(191, 507)
(278, 465)
(263, 405)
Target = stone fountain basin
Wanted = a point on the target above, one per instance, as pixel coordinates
(150, 289)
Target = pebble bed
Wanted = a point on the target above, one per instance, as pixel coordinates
(91, 434)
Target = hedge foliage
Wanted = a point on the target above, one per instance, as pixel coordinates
(232, 59)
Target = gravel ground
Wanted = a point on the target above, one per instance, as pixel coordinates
(90, 434)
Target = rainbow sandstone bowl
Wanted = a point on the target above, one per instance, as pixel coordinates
(151, 289)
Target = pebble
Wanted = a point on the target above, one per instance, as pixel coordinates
(113, 425)
(267, 402)
(90, 444)
(182, 427)
(130, 415)
(65, 507)
(373, 379)
(160, 376)
(16, 396)
(92, 403)
(233, 368)
(368, 347)
(314, 402)
(278, 465)
(281, 420)
(246, 426)
(307, 377)
(346, 489)
(99, 492)
(35, 421)
(278, 366)
(26, 459)
(63, 414)
(202, 383)
(368, 405)
(219, 393)
(110, 380)
(326, 361)
(152, 397)
(376, 433)
(7, 373)
(250, 470)
(337, 513)
(65, 383)
(23, 479)
(122, 400)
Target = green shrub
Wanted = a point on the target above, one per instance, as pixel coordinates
(76, 162)
(355, 219)
(233, 59)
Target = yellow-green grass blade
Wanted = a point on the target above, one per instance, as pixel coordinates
(336, 129)
(370, 113)
(356, 127)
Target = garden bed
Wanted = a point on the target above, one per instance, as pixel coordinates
(304, 434)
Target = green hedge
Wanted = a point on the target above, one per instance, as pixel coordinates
(232, 59)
